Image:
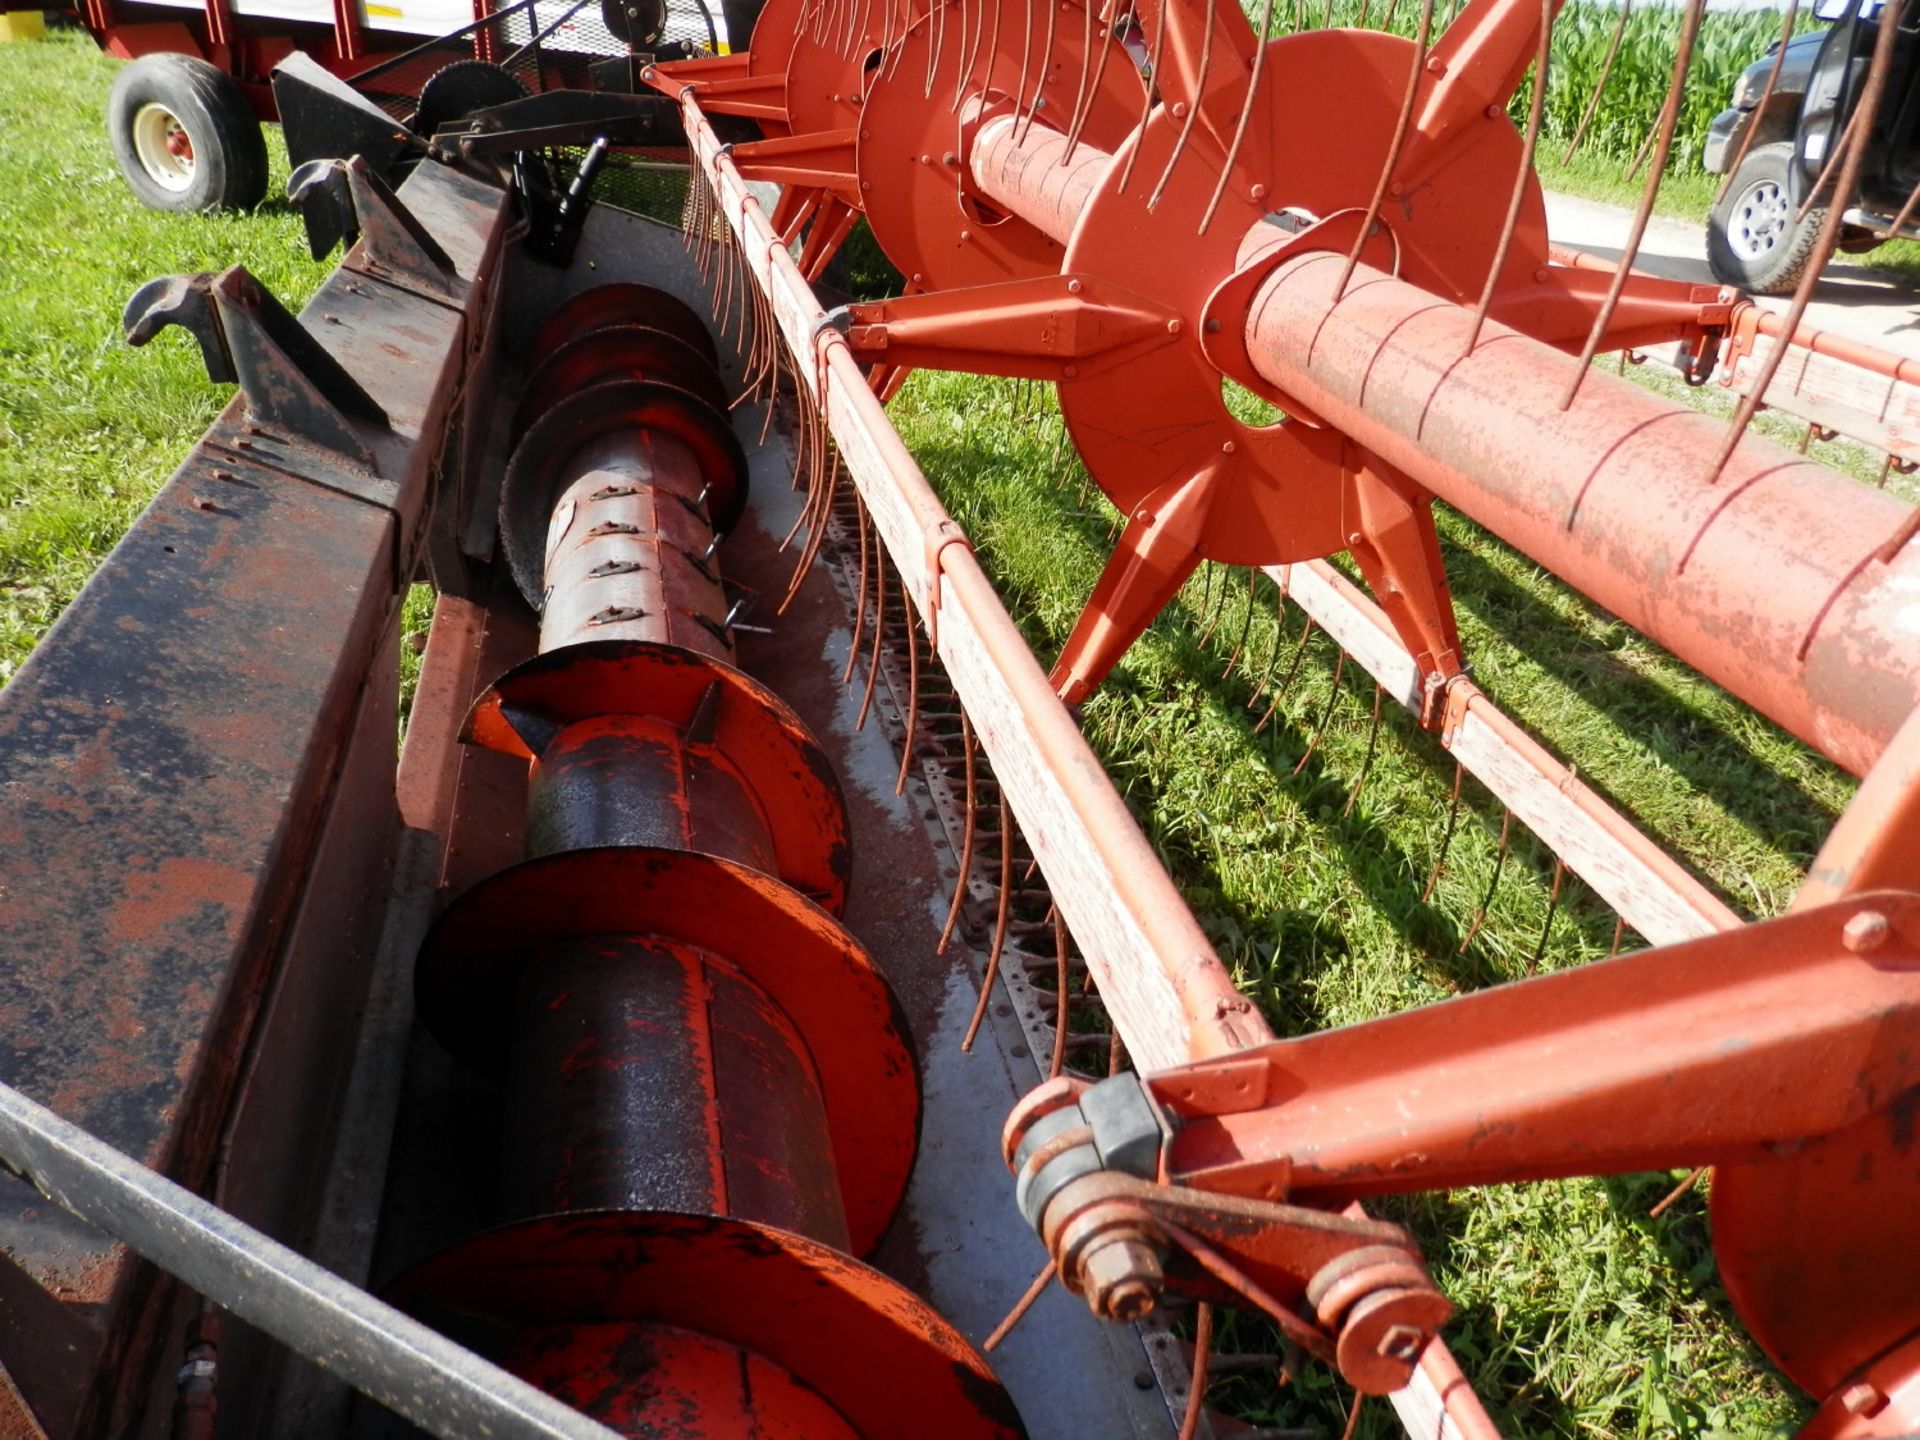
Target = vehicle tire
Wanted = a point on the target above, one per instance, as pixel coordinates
(1753, 239)
(184, 136)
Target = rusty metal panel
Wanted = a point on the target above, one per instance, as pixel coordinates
(167, 764)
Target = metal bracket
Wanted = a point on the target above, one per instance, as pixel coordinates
(291, 383)
(345, 202)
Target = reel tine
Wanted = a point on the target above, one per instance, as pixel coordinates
(819, 533)
(1273, 656)
(1080, 91)
(1366, 762)
(1146, 104)
(859, 590)
(1600, 86)
(1766, 94)
(1861, 125)
(1333, 698)
(1046, 64)
(1026, 60)
(1669, 118)
(1900, 220)
(1197, 1382)
(1020, 1307)
(999, 926)
(1553, 906)
(913, 689)
(1246, 114)
(881, 565)
(1108, 44)
(970, 54)
(1826, 170)
(1246, 624)
(1536, 111)
(1212, 607)
(968, 835)
(1193, 110)
(937, 30)
(1065, 989)
(1446, 837)
(1694, 1177)
(1499, 864)
(1640, 155)
(1293, 669)
(1422, 39)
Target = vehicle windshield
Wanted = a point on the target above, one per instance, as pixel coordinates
(1840, 9)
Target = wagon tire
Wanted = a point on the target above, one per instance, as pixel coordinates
(184, 136)
(1756, 237)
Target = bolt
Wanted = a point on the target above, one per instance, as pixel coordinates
(926, 159)
(1258, 192)
(1401, 1342)
(966, 235)
(223, 474)
(866, 184)
(1070, 371)
(1865, 932)
(1074, 287)
(950, 159)
(1226, 447)
(1179, 109)
(1863, 1399)
(200, 502)
(1436, 66)
(1396, 190)
(1542, 275)
(1173, 327)
(331, 319)
(1495, 112)
(1121, 1279)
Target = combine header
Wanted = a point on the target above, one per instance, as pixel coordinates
(694, 1133)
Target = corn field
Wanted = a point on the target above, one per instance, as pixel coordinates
(1729, 42)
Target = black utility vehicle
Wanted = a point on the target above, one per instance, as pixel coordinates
(1757, 236)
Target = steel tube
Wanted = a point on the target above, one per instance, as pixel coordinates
(1019, 167)
(624, 549)
(1765, 578)
(647, 1075)
(440, 1386)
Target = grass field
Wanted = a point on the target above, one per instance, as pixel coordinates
(1579, 1314)
(89, 426)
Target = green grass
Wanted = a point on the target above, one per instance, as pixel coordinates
(89, 427)
(1579, 1315)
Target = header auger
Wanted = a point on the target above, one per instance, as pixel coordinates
(693, 1129)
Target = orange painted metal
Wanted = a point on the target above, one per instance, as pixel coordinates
(1206, 244)
(707, 1082)
(1619, 496)
(1775, 1053)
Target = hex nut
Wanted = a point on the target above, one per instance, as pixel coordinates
(1402, 1342)
(1867, 931)
(1121, 1279)
(1863, 1399)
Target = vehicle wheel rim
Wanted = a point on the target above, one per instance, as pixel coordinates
(1761, 219)
(163, 147)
